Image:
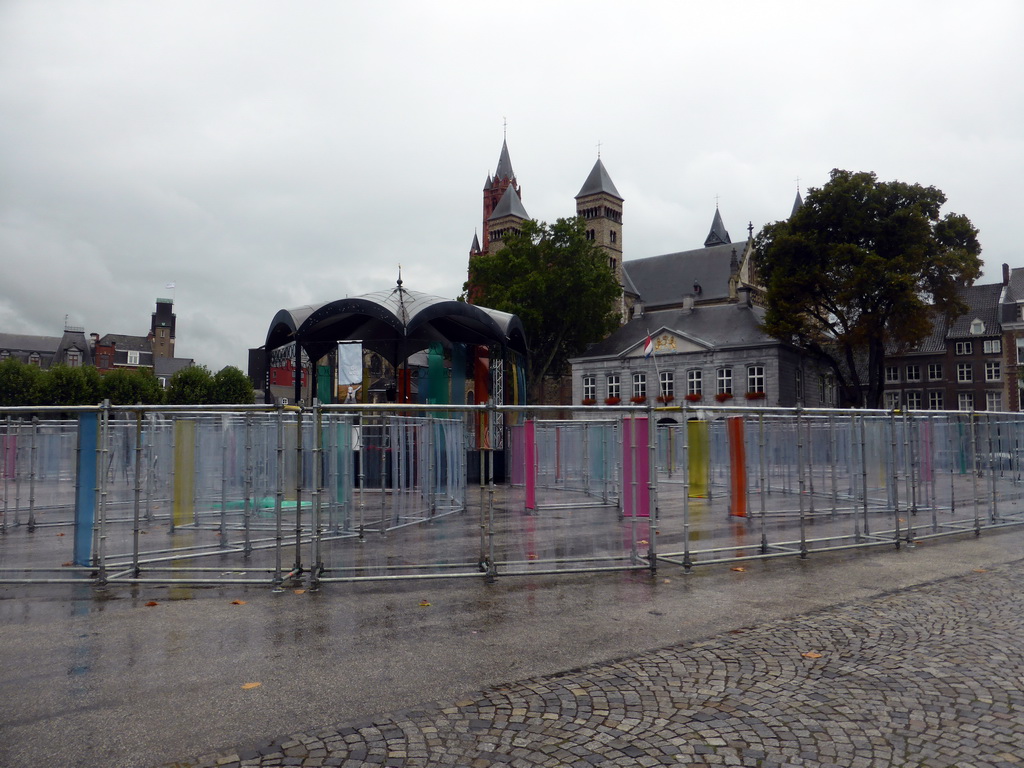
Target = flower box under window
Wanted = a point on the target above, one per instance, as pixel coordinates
(666, 398)
(723, 396)
(612, 401)
(638, 399)
(693, 397)
(755, 395)
(589, 401)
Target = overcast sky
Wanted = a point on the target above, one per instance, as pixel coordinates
(265, 155)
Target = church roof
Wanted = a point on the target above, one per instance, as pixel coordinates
(720, 327)
(504, 169)
(797, 204)
(509, 205)
(664, 280)
(476, 244)
(718, 233)
(598, 181)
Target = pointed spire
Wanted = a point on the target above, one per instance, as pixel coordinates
(718, 234)
(509, 205)
(798, 203)
(475, 247)
(504, 169)
(598, 181)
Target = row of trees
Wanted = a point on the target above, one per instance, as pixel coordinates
(22, 384)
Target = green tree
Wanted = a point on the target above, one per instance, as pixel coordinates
(864, 265)
(191, 386)
(19, 383)
(64, 385)
(232, 386)
(560, 285)
(122, 387)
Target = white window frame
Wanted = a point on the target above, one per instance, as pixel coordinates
(993, 347)
(993, 370)
(694, 382)
(589, 387)
(914, 401)
(640, 385)
(964, 348)
(935, 400)
(724, 379)
(934, 371)
(667, 384)
(965, 401)
(614, 385)
(913, 372)
(892, 374)
(892, 399)
(133, 357)
(755, 378)
(964, 374)
(993, 401)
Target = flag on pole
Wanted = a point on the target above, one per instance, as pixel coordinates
(169, 285)
(648, 346)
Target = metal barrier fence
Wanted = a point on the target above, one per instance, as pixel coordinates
(287, 496)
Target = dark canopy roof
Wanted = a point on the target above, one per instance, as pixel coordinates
(394, 323)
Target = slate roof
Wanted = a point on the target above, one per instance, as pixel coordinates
(509, 205)
(168, 366)
(598, 181)
(21, 342)
(663, 280)
(983, 303)
(123, 342)
(797, 204)
(723, 326)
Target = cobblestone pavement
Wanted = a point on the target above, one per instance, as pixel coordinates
(928, 676)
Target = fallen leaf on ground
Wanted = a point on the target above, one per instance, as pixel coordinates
(738, 568)
(981, 570)
(300, 591)
(151, 603)
(424, 604)
(250, 686)
(238, 602)
(811, 655)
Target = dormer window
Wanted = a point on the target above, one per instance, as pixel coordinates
(133, 358)
(977, 327)
(73, 358)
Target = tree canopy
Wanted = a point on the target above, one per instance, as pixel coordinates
(560, 285)
(861, 266)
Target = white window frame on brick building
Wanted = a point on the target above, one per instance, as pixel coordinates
(639, 385)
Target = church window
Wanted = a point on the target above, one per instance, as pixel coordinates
(613, 235)
(613, 263)
(591, 234)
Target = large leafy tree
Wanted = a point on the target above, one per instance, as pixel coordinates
(191, 386)
(19, 383)
(560, 285)
(863, 265)
(232, 386)
(123, 387)
(64, 385)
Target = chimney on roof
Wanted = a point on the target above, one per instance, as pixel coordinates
(743, 292)
(687, 303)
(1006, 274)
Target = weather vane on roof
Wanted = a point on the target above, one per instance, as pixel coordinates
(599, 149)
(399, 275)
